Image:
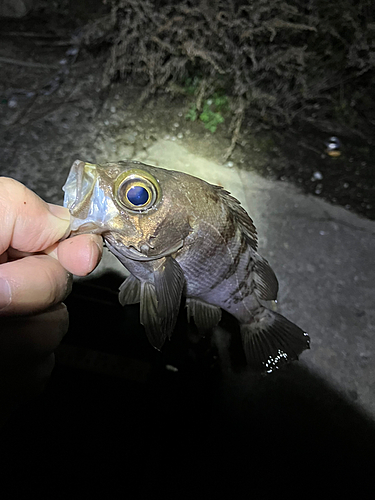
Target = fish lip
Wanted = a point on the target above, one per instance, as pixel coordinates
(78, 167)
(87, 228)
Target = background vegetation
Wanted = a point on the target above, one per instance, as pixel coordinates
(276, 61)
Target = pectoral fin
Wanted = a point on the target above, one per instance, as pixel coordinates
(149, 316)
(160, 302)
(206, 316)
(271, 340)
(169, 283)
(130, 291)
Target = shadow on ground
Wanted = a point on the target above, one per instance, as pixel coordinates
(122, 425)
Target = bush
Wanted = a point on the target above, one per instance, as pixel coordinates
(277, 60)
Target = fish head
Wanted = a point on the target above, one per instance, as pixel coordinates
(139, 209)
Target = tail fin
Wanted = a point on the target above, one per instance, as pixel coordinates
(271, 340)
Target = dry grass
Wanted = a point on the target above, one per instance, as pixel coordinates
(278, 61)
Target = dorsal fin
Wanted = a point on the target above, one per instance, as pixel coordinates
(240, 216)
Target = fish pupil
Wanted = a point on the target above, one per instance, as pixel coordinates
(137, 195)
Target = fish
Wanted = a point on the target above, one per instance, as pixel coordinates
(183, 240)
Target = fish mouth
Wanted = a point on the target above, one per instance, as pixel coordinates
(88, 203)
(77, 226)
(76, 186)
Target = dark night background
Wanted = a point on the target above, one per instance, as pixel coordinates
(277, 80)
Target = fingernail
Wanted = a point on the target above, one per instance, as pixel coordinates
(5, 294)
(63, 214)
(100, 247)
(95, 257)
(66, 234)
(69, 284)
(60, 212)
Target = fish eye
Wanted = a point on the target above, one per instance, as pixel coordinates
(138, 195)
(136, 192)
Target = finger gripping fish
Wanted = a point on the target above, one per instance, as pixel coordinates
(180, 236)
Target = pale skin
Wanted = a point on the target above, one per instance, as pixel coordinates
(36, 270)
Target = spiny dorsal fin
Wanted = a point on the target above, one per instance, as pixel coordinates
(241, 217)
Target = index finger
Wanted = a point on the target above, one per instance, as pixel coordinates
(28, 223)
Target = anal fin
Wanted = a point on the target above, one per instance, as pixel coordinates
(271, 340)
(206, 316)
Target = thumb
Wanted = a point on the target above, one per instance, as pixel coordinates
(28, 223)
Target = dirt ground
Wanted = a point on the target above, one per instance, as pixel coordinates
(54, 110)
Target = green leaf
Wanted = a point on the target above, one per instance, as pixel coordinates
(192, 114)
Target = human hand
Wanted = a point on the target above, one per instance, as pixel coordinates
(35, 277)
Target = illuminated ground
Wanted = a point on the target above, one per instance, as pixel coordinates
(323, 257)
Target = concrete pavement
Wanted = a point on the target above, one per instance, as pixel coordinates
(323, 256)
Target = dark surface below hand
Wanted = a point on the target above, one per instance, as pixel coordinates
(191, 433)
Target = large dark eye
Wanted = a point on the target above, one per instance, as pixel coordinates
(138, 195)
(136, 191)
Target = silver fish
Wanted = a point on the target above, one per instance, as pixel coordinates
(180, 236)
